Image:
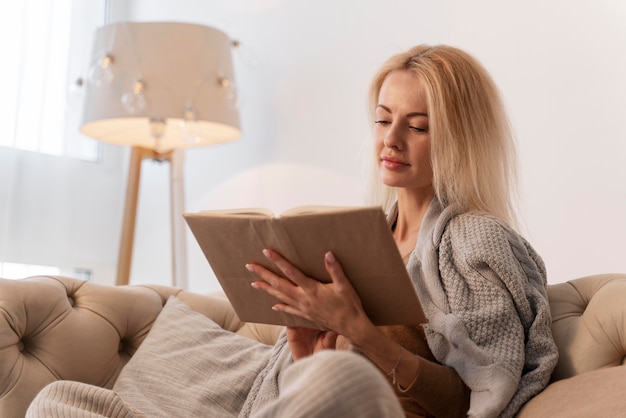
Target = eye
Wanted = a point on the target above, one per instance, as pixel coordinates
(418, 129)
(382, 122)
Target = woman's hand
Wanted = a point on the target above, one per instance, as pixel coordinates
(336, 309)
(332, 306)
(306, 341)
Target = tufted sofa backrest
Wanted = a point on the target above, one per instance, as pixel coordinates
(589, 323)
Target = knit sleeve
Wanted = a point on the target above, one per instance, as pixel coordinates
(495, 289)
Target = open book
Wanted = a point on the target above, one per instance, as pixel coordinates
(359, 237)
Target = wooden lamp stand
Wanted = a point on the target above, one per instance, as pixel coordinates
(177, 197)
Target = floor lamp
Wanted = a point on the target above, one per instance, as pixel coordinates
(159, 87)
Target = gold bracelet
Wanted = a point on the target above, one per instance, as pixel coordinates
(392, 373)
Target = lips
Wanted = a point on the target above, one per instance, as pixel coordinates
(392, 163)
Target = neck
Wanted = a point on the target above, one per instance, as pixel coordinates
(412, 207)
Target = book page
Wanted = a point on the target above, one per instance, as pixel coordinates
(312, 209)
(262, 212)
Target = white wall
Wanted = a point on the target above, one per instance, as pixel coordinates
(303, 72)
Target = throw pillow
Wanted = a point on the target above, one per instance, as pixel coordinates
(188, 366)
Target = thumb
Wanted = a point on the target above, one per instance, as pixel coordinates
(330, 339)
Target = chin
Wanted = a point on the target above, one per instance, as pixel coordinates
(390, 181)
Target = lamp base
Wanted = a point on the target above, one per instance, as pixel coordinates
(177, 198)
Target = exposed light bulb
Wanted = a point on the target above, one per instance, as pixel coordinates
(157, 131)
(189, 125)
(75, 94)
(101, 72)
(134, 101)
(230, 90)
(224, 81)
(232, 96)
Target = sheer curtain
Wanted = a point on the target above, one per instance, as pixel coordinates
(45, 49)
(46, 45)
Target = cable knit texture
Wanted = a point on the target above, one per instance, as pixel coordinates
(483, 290)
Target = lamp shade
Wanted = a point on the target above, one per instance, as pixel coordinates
(161, 85)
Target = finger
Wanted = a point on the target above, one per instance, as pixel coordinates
(289, 270)
(341, 283)
(334, 269)
(330, 339)
(274, 285)
(292, 309)
(268, 276)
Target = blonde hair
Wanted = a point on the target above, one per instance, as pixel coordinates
(473, 153)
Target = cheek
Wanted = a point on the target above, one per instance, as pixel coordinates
(426, 153)
(422, 156)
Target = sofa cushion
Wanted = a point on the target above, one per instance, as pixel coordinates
(189, 366)
(589, 323)
(593, 394)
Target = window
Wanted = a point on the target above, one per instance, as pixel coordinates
(47, 47)
(18, 271)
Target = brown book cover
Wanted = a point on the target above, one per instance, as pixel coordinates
(359, 237)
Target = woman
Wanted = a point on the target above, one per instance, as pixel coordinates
(445, 158)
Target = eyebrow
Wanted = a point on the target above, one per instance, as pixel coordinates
(408, 115)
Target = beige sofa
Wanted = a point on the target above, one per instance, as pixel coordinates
(55, 328)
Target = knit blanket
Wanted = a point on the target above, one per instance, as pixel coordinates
(265, 386)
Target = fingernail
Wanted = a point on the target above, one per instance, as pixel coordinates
(250, 268)
(267, 253)
(330, 257)
(254, 285)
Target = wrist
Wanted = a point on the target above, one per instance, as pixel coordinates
(363, 334)
(399, 365)
(393, 372)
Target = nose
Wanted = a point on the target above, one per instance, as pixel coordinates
(393, 138)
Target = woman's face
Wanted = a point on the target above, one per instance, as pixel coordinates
(401, 133)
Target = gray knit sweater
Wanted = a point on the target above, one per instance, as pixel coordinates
(483, 290)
